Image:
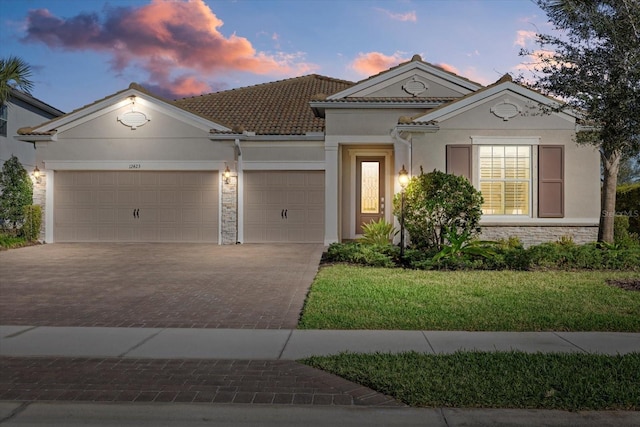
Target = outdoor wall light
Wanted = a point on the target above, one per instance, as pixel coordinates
(36, 174)
(403, 179)
(226, 174)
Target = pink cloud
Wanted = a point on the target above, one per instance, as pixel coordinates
(404, 17)
(374, 62)
(449, 68)
(164, 38)
(523, 36)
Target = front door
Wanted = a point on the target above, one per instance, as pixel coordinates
(370, 196)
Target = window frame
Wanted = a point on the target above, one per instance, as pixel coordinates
(502, 141)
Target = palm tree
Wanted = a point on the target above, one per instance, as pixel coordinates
(15, 73)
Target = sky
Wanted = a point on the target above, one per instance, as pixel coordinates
(83, 50)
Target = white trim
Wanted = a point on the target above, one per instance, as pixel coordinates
(457, 107)
(132, 165)
(49, 208)
(505, 140)
(276, 165)
(280, 143)
(120, 100)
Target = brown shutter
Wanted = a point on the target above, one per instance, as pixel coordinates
(551, 181)
(459, 160)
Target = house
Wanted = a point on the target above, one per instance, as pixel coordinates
(310, 159)
(21, 110)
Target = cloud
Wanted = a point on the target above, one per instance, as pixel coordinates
(374, 62)
(178, 43)
(449, 68)
(523, 36)
(404, 17)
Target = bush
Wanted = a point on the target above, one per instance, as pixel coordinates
(378, 233)
(365, 254)
(436, 202)
(621, 236)
(16, 192)
(32, 222)
(628, 204)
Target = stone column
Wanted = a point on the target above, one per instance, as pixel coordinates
(230, 210)
(40, 198)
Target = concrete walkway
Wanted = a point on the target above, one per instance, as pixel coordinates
(263, 344)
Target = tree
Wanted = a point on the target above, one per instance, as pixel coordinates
(595, 68)
(629, 170)
(16, 192)
(15, 73)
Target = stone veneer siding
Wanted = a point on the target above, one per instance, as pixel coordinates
(40, 198)
(533, 235)
(229, 211)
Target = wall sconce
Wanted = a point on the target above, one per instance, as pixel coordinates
(226, 174)
(36, 174)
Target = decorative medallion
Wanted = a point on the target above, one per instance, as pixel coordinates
(506, 110)
(134, 119)
(415, 86)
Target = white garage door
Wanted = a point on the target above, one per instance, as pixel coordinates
(284, 206)
(123, 206)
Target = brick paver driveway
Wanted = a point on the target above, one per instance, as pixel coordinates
(156, 285)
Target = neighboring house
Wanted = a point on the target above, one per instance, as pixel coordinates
(21, 110)
(310, 159)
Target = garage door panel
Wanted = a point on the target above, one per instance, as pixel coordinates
(136, 206)
(106, 197)
(268, 194)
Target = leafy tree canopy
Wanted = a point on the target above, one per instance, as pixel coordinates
(594, 65)
(15, 73)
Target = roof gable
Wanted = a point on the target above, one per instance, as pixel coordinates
(415, 78)
(135, 94)
(503, 108)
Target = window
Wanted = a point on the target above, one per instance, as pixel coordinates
(505, 179)
(3, 120)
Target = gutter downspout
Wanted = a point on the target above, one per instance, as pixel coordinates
(239, 188)
(408, 142)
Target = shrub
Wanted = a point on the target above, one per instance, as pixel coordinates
(628, 204)
(436, 202)
(621, 236)
(460, 246)
(16, 192)
(365, 254)
(32, 222)
(378, 233)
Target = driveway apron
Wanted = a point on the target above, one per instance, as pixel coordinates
(157, 285)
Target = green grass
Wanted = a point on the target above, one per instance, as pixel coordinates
(351, 297)
(496, 380)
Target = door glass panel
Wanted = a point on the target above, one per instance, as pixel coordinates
(370, 188)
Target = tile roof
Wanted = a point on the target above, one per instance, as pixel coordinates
(276, 108)
(398, 99)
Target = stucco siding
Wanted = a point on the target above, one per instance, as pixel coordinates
(365, 122)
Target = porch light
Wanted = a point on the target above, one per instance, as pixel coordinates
(36, 174)
(227, 174)
(403, 179)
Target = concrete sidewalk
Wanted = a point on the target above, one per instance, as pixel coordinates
(118, 415)
(261, 344)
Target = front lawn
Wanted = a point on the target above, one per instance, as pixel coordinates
(496, 380)
(352, 297)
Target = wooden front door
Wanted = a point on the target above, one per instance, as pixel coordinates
(370, 196)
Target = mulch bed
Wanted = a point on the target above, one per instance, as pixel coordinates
(627, 284)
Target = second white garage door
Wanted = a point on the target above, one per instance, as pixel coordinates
(284, 206)
(124, 206)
